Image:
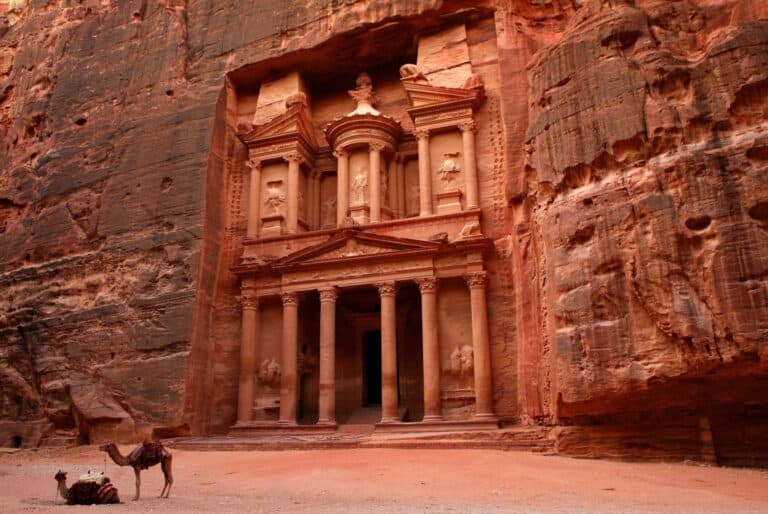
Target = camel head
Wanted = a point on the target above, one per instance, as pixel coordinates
(60, 476)
(106, 447)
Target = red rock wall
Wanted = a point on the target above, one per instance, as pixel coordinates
(645, 190)
(631, 290)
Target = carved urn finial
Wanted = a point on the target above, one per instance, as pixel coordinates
(364, 95)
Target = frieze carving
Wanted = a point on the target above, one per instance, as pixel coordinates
(328, 295)
(350, 249)
(269, 372)
(427, 285)
(275, 198)
(386, 288)
(448, 170)
(462, 361)
(289, 299)
(476, 280)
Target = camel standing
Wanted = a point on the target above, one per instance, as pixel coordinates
(86, 493)
(142, 457)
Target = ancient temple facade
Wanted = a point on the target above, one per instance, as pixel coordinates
(363, 270)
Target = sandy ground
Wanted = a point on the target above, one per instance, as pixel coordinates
(382, 480)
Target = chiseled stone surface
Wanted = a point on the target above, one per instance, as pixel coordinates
(622, 154)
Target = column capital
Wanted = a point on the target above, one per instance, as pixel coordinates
(249, 300)
(293, 157)
(253, 164)
(386, 288)
(340, 153)
(421, 133)
(427, 285)
(468, 126)
(328, 294)
(476, 280)
(289, 298)
(376, 146)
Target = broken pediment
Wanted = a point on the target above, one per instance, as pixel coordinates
(294, 124)
(354, 244)
(421, 94)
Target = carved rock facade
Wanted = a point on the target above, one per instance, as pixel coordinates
(190, 228)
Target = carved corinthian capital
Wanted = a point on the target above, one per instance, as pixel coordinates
(293, 157)
(376, 146)
(476, 280)
(427, 285)
(386, 288)
(249, 300)
(290, 299)
(421, 133)
(468, 126)
(328, 294)
(254, 165)
(340, 154)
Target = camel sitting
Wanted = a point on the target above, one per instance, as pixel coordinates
(142, 457)
(87, 493)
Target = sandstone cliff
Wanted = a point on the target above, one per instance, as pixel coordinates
(633, 235)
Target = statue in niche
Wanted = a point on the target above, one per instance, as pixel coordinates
(301, 203)
(359, 187)
(462, 361)
(448, 169)
(275, 198)
(412, 72)
(364, 96)
(269, 372)
(473, 81)
(329, 210)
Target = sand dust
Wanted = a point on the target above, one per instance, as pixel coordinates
(383, 480)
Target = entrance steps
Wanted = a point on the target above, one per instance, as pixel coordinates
(525, 438)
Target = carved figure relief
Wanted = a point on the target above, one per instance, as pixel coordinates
(448, 170)
(269, 373)
(275, 198)
(412, 72)
(384, 186)
(359, 187)
(462, 361)
(364, 96)
(329, 210)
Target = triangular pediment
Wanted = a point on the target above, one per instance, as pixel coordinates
(356, 245)
(294, 123)
(422, 94)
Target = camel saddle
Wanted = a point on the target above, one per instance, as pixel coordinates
(148, 454)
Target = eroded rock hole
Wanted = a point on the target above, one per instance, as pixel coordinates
(698, 222)
(759, 153)
(759, 211)
(165, 184)
(16, 441)
(582, 235)
(80, 121)
(169, 92)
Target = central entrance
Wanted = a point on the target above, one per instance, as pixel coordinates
(372, 367)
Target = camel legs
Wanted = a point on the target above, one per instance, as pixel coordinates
(138, 483)
(165, 464)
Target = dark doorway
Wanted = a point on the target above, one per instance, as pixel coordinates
(372, 367)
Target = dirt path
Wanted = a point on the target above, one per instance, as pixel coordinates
(376, 480)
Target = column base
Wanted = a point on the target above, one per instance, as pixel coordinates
(389, 420)
(431, 418)
(439, 426)
(328, 423)
(486, 417)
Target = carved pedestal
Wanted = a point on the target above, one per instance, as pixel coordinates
(361, 214)
(449, 201)
(272, 226)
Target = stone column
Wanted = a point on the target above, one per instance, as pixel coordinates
(425, 173)
(481, 346)
(470, 163)
(374, 180)
(327, 409)
(288, 380)
(389, 412)
(430, 350)
(292, 219)
(248, 343)
(254, 199)
(342, 185)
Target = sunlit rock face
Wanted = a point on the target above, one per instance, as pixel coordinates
(621, 161)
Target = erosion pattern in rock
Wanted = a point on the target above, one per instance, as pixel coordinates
(628, 297)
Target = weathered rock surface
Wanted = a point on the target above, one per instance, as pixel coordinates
(631, 303)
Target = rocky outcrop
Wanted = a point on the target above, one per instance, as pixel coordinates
(645, 191)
